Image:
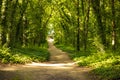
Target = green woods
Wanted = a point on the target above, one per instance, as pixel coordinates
(87, 29)
(23, 31)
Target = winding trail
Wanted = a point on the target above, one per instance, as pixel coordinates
(60, 67)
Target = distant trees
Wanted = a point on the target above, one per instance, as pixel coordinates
(23, 22)
(86, 24)
(82, 24)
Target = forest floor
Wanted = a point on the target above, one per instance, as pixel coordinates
(60, 67)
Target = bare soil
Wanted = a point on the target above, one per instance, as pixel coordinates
(60, 67)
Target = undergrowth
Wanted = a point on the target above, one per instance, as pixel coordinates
(106, 66)
(23, 55)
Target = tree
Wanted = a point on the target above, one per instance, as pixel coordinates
(97, 12)
(113, 25)
(78, 26)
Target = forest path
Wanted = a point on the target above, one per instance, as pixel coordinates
(60, 67)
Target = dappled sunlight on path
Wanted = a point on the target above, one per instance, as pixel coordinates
(52, 65)
(60, 67)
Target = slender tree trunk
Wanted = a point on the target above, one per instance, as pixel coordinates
(86, 26)
(101, 28)
(20, 24)
(4, 23)
(0, 22)
(0, 10)
(113, 25)
(78, 27)
(24, 28)
(12, 27)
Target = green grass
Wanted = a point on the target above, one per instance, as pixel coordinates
(23, 55)
(106, 66)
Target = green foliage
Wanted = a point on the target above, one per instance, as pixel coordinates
(91, 26)
(106, 66)
(108, 73)
(23, 55)
(65, 48)
(72, 52)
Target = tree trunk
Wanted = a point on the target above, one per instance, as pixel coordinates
(12, 27)
(78, 27)
(0, 20)
(101, 28)
(113, 26)
(4, 23)
(20, 25)
(86, 26)
(0, 10)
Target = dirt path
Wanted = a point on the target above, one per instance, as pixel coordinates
(57, 55)
(60, 67)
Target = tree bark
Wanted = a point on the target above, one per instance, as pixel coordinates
(12, 27)
(4, 24)
(86, 26)
(20, 25)
(0, 10)
(0, 22)
(113, 25)
(78, 27)
(101, 28)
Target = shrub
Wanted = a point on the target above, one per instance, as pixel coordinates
(23, 55)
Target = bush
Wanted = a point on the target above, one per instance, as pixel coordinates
(106, 66)
(108, 73)
(23, 55)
